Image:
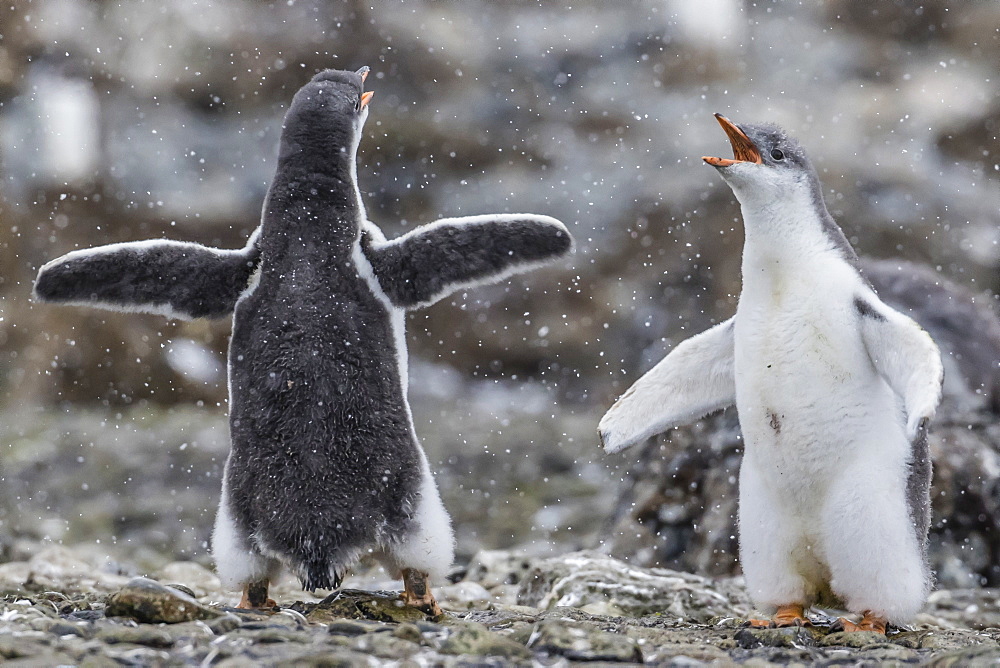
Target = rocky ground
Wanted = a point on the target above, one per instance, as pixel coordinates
(60, 606)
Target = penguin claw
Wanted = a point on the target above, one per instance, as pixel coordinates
(758, 624)
(417, 593)
(869, 622)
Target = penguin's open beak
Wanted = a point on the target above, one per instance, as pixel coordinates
(743, 149)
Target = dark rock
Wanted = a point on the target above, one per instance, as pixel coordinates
(85, 615)
(582, 642)
(150, 602)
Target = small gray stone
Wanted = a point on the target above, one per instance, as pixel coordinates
(968, 656)
(142, 635)
(582, 642)
(477, 640)
(791, 636)
(224, 624)
(148, 601)
(62, 628)
(354, 627)
(854, 639)
(407, 631)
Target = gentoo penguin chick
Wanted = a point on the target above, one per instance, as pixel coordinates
(325, 464)
(834, 392)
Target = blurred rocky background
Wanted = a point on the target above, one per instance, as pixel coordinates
(134, 120)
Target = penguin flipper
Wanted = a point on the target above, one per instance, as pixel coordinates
(696, 378)
(906, 357)
(171, 278)
(429, 263)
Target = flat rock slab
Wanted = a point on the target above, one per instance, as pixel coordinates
(149, 601)
(379, 606)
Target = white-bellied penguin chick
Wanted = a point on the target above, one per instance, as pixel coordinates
(325, 464)
(834, 392)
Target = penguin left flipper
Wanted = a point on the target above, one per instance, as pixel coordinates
(906, 357)
(695, 379)
(171, 278)
(429, 263)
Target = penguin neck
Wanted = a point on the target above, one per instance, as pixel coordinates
(316, 199)
(790, 232)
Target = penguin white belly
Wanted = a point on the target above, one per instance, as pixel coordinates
(825, 454)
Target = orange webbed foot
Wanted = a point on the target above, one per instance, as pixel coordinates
(785, 616)
(417, 593)
(255, 596)
(869, 622)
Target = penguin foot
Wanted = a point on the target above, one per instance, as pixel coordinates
(869, 622)
(786, 615)
(255, 596)
(417, 593)
(791, 615)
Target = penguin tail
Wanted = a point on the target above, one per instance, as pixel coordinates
(320, 575)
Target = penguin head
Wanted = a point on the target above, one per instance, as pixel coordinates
(767, 164)
(325, 119)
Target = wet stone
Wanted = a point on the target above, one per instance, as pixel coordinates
(58, 627)
(142, 635)
(582, 642)
(969, 656)
(854, 639)
(332, 658)
(150, 602)
(15, 648)
(407, 631)
(352, 628)
(224, 624)
(884, 654)
(792, 636)
(476, 639)
(377, 606)
(385, 646)
(184, 589)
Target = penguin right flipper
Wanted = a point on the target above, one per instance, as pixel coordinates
(695, 379)
(429, 263)
(171, 278)
(906, 357)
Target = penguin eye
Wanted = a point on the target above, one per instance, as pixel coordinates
(777, 154)
(357, 104)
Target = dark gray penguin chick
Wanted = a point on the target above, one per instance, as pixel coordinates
(325, 464)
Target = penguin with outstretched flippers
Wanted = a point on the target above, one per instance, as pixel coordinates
(325, 464)
(834, 391)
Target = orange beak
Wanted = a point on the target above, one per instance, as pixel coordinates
(743, 148)
(366, 98)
